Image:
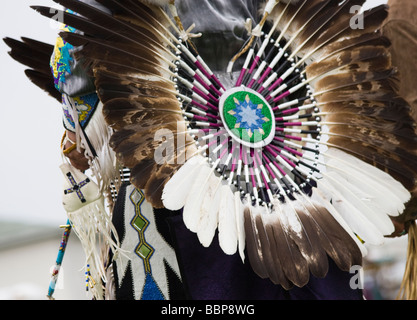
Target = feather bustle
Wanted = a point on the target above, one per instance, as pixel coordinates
(294, 239)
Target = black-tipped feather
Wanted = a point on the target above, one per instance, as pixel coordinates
(35, 55)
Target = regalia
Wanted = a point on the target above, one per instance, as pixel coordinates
(288, 147)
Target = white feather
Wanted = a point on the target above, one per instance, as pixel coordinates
(179, 186)
(375, 196)
(361, 201)
(227, 221)
(240, 225)
(391, 192)
(353, 217)
(319, 198)
(209, 212)
(192, 206)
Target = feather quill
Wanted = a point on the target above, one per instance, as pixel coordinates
(353, 217)
(267, 246)
(209, 212)
(227, 221)
(358, 198)
(281, 251)
(178, 187)
(380, 177)
(253, 244)
(294, 265)
(240, 225)
(192, 207)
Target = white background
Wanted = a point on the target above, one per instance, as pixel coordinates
(30, 126)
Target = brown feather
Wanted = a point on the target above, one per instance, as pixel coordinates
(139, 59)
(253, 245)
(35, 55)
(328, 15)
(104, 25)
(397, 133)
(397, 111)
(137, 13)
(340, 25)
(277, 248)
(334, 16)
(152, 178)
(294, 266)
(283, 254)
(362, 58)
(386, 161)
(383, 91)
(337, 243)
(384, 144)
(137, 142)
(114, 86)
(373, 19)
(317, 261)
(342, 80)
(29, 56)
(373, 39)
(44, 82)
(161, 173)
(265, 247)
(121, 112)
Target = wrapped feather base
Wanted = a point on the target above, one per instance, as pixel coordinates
(92, 224)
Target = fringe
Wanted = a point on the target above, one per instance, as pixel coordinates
(93, 226)
(408, 289)
(92, 223)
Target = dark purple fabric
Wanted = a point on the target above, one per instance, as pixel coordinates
(209, 274)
